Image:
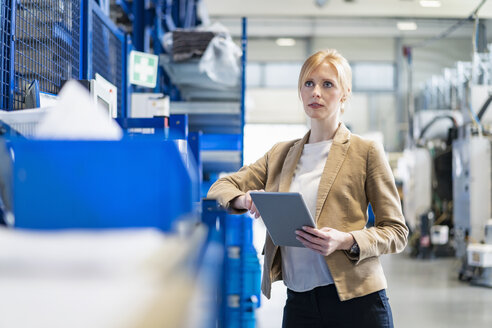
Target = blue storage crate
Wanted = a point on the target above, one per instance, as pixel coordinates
(251, 278)
(243, 279)
(242, 271)
(239, 319)
(233, 281)
(233, 228)
(47, 45)
(100, 184)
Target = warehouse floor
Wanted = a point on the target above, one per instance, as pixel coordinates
(423, 293)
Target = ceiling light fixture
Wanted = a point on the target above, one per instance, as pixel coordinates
(285, 42)
(406, 26)
(430, 3)
(320, 3)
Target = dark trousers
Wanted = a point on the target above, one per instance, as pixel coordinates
(321, 307)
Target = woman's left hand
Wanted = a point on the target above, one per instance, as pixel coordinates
(325, 240)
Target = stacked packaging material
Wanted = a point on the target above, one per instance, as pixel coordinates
(190, 44)
(204, 65)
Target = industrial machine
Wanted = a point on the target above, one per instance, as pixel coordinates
(462, 161)
(471, 189)
(425, 170)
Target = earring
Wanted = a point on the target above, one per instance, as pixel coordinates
(342, 106)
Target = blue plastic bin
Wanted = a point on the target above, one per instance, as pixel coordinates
(100, 184)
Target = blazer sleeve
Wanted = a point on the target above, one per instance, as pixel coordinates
(389, 234)
(249, 177)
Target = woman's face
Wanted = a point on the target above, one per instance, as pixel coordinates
(321, 93)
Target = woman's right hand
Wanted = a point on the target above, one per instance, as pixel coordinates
(245, 202)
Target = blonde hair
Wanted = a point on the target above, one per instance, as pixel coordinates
(335, 59)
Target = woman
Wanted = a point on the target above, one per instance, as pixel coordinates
(337, 279)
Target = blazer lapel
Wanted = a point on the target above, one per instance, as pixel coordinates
(333, 164)
(290, 164)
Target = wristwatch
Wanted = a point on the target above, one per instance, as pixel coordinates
(354, 250)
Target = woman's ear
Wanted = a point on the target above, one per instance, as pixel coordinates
(345, 96)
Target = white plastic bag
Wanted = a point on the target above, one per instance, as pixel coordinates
(221, 61)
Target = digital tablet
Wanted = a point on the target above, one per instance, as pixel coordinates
(283, 213)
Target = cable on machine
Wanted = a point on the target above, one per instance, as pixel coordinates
(434, 120)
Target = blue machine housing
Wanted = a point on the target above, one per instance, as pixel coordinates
(140, 182)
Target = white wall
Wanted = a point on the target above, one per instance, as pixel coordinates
(274, 105)
(383, 118)
(259, 138)
(356, 114)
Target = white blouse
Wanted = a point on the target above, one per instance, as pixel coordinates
(303, 269)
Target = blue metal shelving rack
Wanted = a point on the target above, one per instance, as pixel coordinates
(105, 52)
(41, 41)
(223, 132)
(150, 20)
(6, 51)
(51, 41)
(244, 46)
(222, 125)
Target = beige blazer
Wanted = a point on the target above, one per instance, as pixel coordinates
(356, 173)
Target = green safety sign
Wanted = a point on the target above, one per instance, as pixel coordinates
(143, 69)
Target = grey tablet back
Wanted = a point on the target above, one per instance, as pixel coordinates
(283, 214)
